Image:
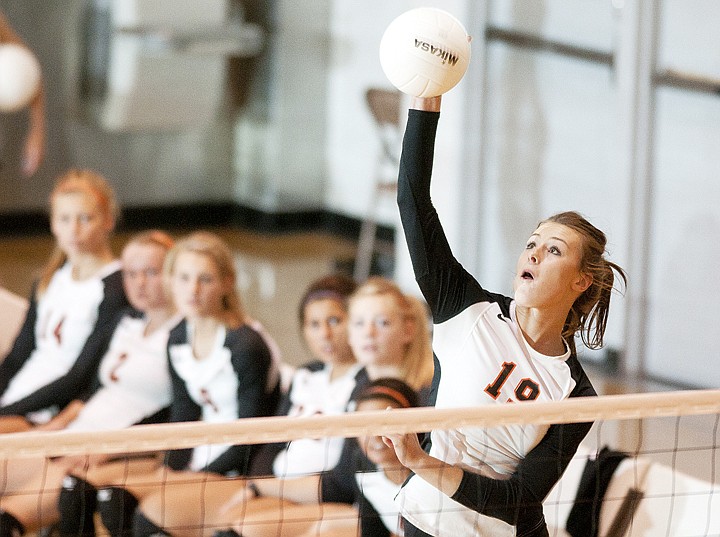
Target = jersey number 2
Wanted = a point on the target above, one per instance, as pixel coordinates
(526, 390)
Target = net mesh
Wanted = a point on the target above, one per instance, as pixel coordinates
(658, 477)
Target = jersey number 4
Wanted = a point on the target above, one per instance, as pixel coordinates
(526, 390)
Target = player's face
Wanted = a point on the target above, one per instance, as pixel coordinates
(379, 334)
(548, 271)
(79, 225)
(373, 446)
(143, 277)
(197, 286)
(325, 331)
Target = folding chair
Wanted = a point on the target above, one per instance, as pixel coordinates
(384, 106)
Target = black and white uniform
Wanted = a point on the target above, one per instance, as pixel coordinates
(133, 382)
(229, 384)
(356, 480)
(65, 334)
(483, 360)
(313, 393)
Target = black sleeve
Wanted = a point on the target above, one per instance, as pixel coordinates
(71, 385)
(264, 457)
(233, 459)
(518, 500)
(338, 484)
(22, 346)
(371, 525)
(182, 408)
(447, 287)
(252, 362)
(362, 379)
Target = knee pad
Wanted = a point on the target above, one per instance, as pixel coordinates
(10, 526)
(144, 527)
(226, 533)
(77, 503)
(116, 507)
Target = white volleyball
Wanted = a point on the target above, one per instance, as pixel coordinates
(19, 77)
(425, 52)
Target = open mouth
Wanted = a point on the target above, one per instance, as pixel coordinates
(527, 276)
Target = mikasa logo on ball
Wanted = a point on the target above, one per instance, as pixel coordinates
(446, 56)
(424, 52)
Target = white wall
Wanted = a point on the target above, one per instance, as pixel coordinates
(280, 135)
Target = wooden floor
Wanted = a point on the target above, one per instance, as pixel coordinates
(274, 270)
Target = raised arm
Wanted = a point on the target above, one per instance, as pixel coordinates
(445, 284)
(34, 148)
(7, 34)
(22, 346)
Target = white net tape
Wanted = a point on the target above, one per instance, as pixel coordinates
(279, 429)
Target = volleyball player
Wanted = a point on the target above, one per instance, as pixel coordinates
(133, 382)
(221, 369)
(132, 386)
(389, 334)
(494, 349)
(73, 310)
(323, 386)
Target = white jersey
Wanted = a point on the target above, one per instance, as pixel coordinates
(313, 393)
(66, 315)
(461, 344)
(226, 385)
(213, 374)
(380, 491)
(134, 378)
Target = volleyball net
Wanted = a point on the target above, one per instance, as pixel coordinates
(648, 467)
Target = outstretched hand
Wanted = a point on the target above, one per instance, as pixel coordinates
(427, 104)
(441, 475)
(407, 449)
